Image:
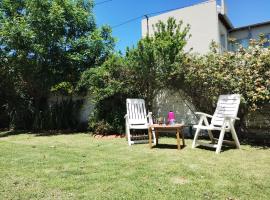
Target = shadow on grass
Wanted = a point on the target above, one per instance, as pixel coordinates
(12, 133)
(167, 146)
(253, 141)
(224, 148)
(39, 134)
(253, 144)
(58, 132)
(261, 144)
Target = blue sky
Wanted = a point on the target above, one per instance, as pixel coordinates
(114, 12)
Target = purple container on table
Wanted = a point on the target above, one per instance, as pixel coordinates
(171, 118)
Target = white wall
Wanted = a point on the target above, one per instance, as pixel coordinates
(223, 31)
(203, 19)
(239, 34)
(255, 32)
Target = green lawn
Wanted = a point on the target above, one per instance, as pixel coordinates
(82, 167)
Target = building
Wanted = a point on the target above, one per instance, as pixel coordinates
(209, 22)
(245, 33)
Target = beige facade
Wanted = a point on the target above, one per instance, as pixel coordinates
(203, 21)
(209, 22)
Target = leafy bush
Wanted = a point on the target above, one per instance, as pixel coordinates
(101, 127)
(60, 115)
(246, 72)
(109, 86)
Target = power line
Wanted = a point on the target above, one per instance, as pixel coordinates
(102, 2)
(154, 13)
(128, 21)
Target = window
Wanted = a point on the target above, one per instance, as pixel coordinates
(234, 46)
(223, 41)
(243, 42)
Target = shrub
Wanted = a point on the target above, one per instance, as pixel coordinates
(109, 85)
(246, 72)
(101, 127)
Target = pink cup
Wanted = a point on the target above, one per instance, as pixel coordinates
(171, 117)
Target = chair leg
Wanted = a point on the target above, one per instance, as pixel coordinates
(209, 131)
(235, 138)
(195, 138)
(197, 132)
(128, 136)
(220, 141)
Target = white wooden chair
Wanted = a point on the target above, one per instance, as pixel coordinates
(223, 120)
(136, 118)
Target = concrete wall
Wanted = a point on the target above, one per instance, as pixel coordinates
(177, 102)
(258, 125)
(203, 19)
(86, 109)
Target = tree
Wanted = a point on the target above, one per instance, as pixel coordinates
(141, 73)
(154, 58)
(48, 44)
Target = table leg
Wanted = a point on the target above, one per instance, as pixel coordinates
(156, 133)
(150, 136)
(178, 139)
(183, 138)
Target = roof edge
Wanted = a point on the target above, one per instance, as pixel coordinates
(250, 26)
(226, 21)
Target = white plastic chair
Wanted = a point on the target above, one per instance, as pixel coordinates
(136, 118)
(223, 120)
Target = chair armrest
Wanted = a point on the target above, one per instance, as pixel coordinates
(229, 117)
(204, 114)
(126, 119)
(150, 119)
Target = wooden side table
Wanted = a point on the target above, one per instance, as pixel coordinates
(177, 128)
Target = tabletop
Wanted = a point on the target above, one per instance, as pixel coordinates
(166, 126)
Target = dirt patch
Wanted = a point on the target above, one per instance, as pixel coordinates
(108, 137)
(179, 180)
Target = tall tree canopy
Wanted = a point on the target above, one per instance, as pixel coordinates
(47, 44)
(156, 58)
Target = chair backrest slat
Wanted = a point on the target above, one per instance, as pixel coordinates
(136, 111)
(227, 105)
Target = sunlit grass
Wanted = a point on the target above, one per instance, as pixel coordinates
(82, 167)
